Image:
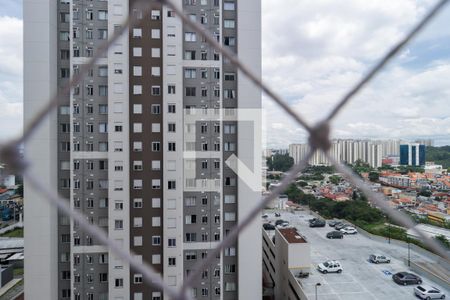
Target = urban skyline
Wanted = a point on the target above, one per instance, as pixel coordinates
(323, 76)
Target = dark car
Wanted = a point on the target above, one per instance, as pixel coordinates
(279, 222)
(277, 214)
(335, 235)
(317, 223)
(268, 226)
(405, 278)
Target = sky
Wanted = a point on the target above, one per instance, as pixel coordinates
(313, 52)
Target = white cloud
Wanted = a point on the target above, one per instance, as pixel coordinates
(11, 69)
(314, 51)
(11, 46)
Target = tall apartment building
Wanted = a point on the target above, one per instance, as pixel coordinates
(349, 151)
(139, 147)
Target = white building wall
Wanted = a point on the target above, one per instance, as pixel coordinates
(40, 84)
(177, 156)
(116, 267)
(249, 141)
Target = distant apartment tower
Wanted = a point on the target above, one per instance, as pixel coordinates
(342, 151)
(426, 142)
(139, 146)
(390, 147)
(412, 154)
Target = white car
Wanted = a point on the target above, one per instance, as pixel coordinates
(284, 225)
(377, 258)
(330, 266)
(428, 292)
(349, 230)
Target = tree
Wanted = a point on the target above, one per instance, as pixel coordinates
(425, 192)
(443, 240)
(361, 167)
(334, 179)
(317, 177)
(408, 169)
(280, 162)
(302, 183)
(374, 176)
(294, 193)
(440, 155)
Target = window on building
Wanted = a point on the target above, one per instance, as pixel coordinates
(156, 90)
(156, 183)
(189, 55)
(118, 283)
(137, 146)
(156, 146)
(102, 34)
(137, 279)
(190, 91)
(156, 33)
(137, 32)
(172, 261)
(190, 36)
(137, 203)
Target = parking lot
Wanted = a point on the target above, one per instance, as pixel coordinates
(360, 279)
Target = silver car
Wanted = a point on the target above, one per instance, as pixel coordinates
(428, 292)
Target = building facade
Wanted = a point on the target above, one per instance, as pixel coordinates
(348, 151)
(140, 147)
(286, 254)
(412, 154)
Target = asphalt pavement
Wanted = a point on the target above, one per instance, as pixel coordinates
(360, 279)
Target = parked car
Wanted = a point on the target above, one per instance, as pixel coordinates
(284, 225)
(340, 226)
(277, 214)
(405, 278)
(376, 259)
(268, 226)
(348, 230)
(317, 223)
(265, 216)
(279, 222)
(335, 235)
(333, 223)
(330, 266)
(428, 292)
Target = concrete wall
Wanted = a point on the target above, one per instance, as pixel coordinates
(445, 282)
(249, 151)
(40, 84)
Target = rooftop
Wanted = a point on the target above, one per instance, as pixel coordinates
(291, 235)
